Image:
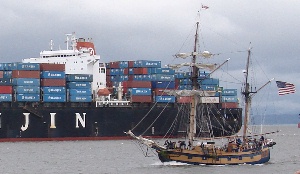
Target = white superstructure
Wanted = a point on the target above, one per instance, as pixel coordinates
(81, 59)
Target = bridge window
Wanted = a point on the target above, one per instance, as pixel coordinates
(102, 70)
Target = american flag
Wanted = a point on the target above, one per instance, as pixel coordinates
(285, 88)
(205, 7)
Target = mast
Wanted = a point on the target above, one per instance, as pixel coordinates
(195, 87)
(248, 96)
(247, 93)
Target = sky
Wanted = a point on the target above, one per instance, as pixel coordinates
(156, 30)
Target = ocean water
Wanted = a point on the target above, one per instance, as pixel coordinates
(124, 156)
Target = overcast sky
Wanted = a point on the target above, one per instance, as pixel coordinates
(156, 30)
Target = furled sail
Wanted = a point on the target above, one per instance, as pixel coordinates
(198, 65)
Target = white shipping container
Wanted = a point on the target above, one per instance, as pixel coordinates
(209, 100)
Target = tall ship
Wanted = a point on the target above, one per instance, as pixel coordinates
(71, 94)
(247, 148)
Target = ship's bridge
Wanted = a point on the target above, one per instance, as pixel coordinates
(59, 53)
(79, 60)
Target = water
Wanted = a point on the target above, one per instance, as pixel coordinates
(123, 156)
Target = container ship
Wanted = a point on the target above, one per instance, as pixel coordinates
(71, 95)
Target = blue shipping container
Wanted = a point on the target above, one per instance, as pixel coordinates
(203, 75)
(1, 66)
(147, 64)
(140, 91)
(229, 92)
(182, 75)
(208, 87)
(7, 74)
(162, 77)
(123, 64)
(79, 85)
(187, 87)
(115, 78)
(25, 66)
(162, 71)
(114, 72)
(26, 81)
(130, 71)
(137, 77)
(79, 77)
(27, 89)
(5, 97)
(81, 98)
(81, 91)
(165, 99)
(185, 81)
(54, 98)
(5, 82)
(28, 97)
(146, 77)
(53, 75)
(163, 85)
(229, 99)
(7, 66)
(54, 90)
(209, 81)
(119, 78)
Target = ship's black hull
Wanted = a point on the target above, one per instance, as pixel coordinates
(76, 120)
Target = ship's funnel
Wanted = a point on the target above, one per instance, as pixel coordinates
(88, 45)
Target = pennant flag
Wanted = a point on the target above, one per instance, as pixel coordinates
(205, 7)
(285, 88)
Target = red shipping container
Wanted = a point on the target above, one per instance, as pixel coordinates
(53, 82)
(6, 89)
(184, 99)
(141, 99)
(159, 92)
(177, 83)
(108, 83)
(130, 77)
(139, 84)
(125, 90)
(52, 67)
(1, 74)
(114, 64)
(108, 79)
(126, 71)
(26, 74)
(130, 64)
(107, 71)
(125, 84)
(140, 71)
(230, 105)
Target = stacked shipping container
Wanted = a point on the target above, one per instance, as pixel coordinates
(53, 82)
(229, 98)
(144, 80)
(26, 81)
(79, 87)
(140, 78)
(6, 89)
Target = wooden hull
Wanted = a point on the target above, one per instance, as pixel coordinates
(199, 156)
